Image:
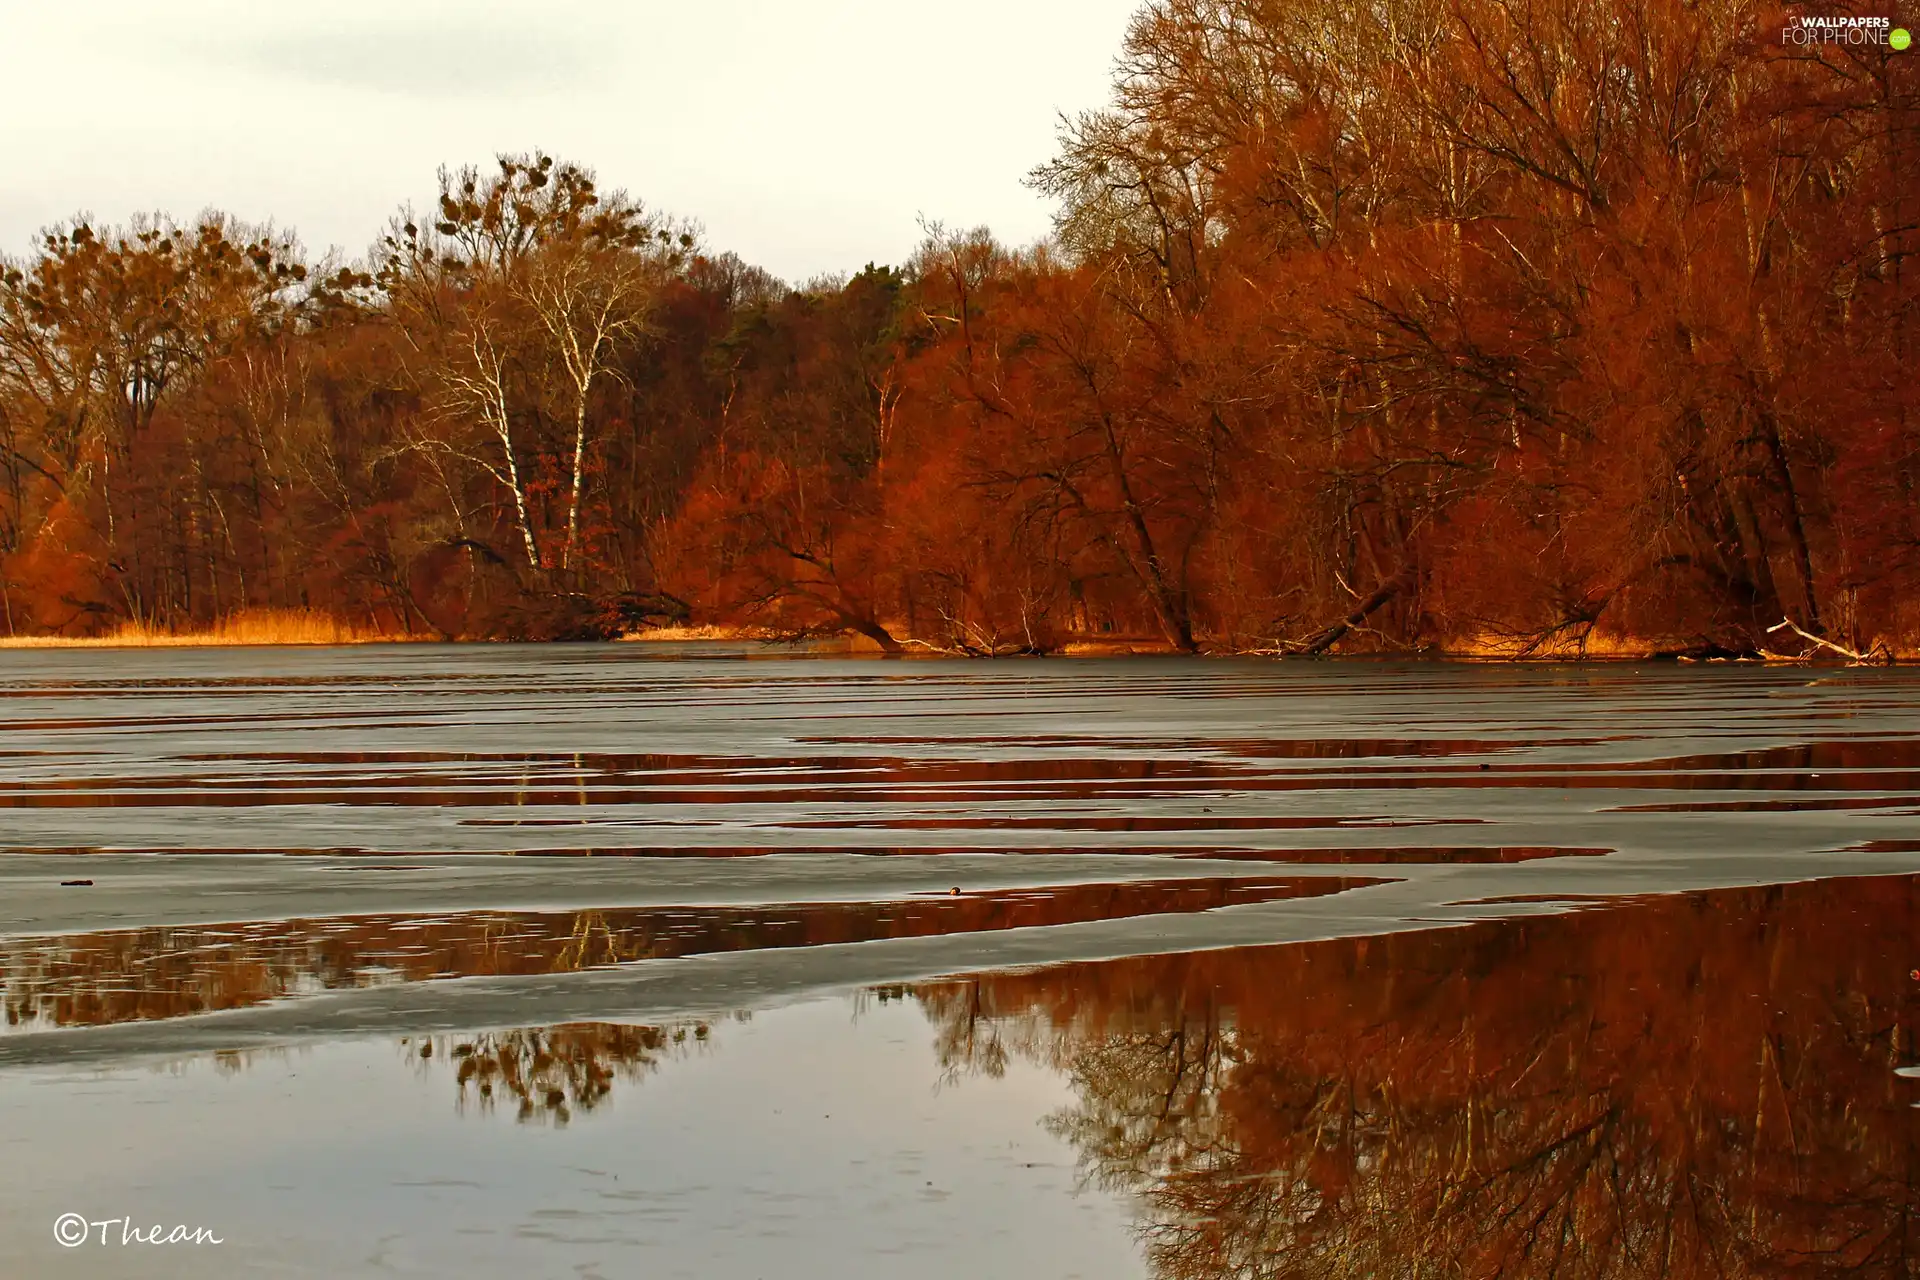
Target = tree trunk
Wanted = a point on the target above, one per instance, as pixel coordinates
(1386, 591)
(573, 497)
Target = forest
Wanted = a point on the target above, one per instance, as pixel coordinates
(1499, 327)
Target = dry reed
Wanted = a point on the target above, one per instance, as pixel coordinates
(246, 627)
(697, 633)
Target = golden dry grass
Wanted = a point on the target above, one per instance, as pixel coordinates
(311, 627)
(1597, 645)
(247, 627)
(696, 633)
(1110, 648)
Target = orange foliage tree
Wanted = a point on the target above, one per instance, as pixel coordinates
(1469, 325)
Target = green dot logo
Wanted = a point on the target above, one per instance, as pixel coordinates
(1899, 39)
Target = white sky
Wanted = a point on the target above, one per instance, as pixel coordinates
(806, 135)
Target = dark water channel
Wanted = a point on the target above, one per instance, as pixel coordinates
(634, 960)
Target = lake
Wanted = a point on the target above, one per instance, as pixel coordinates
(728, 962)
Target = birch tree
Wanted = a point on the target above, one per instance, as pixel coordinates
(518, 297)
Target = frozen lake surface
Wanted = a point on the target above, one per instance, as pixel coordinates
(616, 960)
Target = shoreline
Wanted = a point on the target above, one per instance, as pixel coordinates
(297, 628)
(857, 646)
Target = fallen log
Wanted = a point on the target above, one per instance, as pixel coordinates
(1330, 636)
(1876, 654)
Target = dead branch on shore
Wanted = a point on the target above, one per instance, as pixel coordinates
(1876, 655)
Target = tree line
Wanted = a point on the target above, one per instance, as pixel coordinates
(1519, 326)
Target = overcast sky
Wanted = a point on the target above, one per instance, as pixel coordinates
(806, 135)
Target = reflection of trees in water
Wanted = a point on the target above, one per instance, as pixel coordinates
(549, 1073)
(92, 979)
(971, 1039)
(1687, 1086)
(545, 1074)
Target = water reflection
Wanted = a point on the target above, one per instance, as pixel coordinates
(1402, 855)
(1058, 793)
(547, 1074)
(1697, 1085)
(1691, 1086)
(1136, 769)
(94, 979)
